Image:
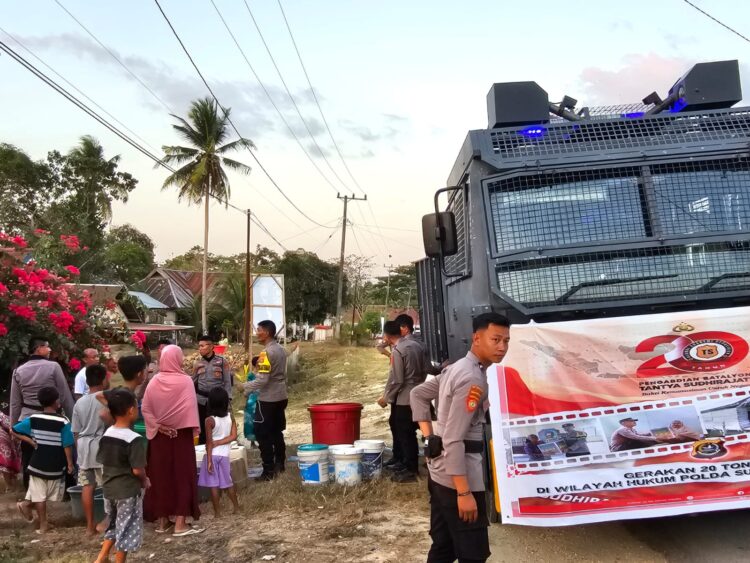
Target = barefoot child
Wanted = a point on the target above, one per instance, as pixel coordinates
(88, 429)
(221, 430)
(122, 454)
(50, 435)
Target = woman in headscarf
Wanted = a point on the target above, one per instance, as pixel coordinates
(170, 410)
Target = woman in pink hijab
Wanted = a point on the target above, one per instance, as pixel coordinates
(170, 410)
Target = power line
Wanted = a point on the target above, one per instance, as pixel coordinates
(291, 98)
(270, 98)
(115, 57)
(208, 87)
(722, 24)
(387, 238)
(71, 98)
(315, 97)
(74, 87)
(81, 105)
(325, 122)
(140, 81)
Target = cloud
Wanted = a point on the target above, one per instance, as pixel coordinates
(252, 113)
(397, 118)
(384, 133)
(315, 153)
(640, 75)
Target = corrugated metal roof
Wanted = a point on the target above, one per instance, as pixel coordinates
(176, 288)
(148, 301)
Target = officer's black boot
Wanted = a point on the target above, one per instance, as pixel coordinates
(279, 468)
(268, 473)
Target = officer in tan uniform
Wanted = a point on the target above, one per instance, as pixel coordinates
(270, 416)
(455, 445)
(211, 370)
(407, 371)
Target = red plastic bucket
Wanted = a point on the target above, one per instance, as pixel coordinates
(335, 423)
(219, 349)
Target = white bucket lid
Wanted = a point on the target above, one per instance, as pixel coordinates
(369, 444)
(348, 451)
(338, 447)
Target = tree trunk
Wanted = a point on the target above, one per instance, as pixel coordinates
(204, 287)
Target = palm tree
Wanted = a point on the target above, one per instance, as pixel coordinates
(201, 174)
(230, 301)
(95, 170)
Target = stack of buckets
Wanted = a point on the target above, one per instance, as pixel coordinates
(345, 464)
(348, 460)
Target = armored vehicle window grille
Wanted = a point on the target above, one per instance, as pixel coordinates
(548, 210)
(628, 275)
(457, 264)
(596, 135)
(702, 197)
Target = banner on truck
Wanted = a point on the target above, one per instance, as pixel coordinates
(620, 418)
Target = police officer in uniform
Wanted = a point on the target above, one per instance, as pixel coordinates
(211, 370)
(270, 418)
(455, 445)
(407, 371)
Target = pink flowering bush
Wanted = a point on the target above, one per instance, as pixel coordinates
(36, 301)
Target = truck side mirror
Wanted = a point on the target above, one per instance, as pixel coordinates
(439, 234)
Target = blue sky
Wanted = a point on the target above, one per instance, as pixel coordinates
(400, 84)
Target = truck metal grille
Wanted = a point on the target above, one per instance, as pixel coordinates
(617, 134)
(547, 210)
(685, 270)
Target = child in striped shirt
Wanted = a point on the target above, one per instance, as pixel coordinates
(50, 435)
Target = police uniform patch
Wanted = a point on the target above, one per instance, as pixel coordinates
(472, 399)
(264, 365)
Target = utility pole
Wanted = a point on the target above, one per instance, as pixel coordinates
(387, 287)
(340, 296)
(248, 296)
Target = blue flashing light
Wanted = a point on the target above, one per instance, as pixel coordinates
(533, 131)
(678, 105)
(634, 115)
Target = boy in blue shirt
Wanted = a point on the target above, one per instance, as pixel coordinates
(50, 435)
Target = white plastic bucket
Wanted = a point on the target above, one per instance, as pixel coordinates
(348, 463)
(372, 457)
(331, 466)
(313, 463)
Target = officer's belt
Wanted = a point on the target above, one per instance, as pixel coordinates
(473, 446)
(202, 393)
(32, 407)
(470, 446)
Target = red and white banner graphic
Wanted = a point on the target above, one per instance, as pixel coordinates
(620, 418)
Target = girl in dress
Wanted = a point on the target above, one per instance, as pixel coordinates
(221, 430)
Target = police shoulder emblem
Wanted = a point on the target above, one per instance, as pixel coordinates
(473, 398)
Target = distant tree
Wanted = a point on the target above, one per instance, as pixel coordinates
(70, 192)
(27, 189)
(358, 271)
(403, 288)
(128, 254)
(310, 285)
(201, 174)
(262, 260)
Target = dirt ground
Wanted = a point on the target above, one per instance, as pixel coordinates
(280, 521)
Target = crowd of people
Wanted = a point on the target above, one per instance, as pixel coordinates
(137, 440)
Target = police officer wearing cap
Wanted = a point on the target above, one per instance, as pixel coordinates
(455, 445)
(209, 371)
